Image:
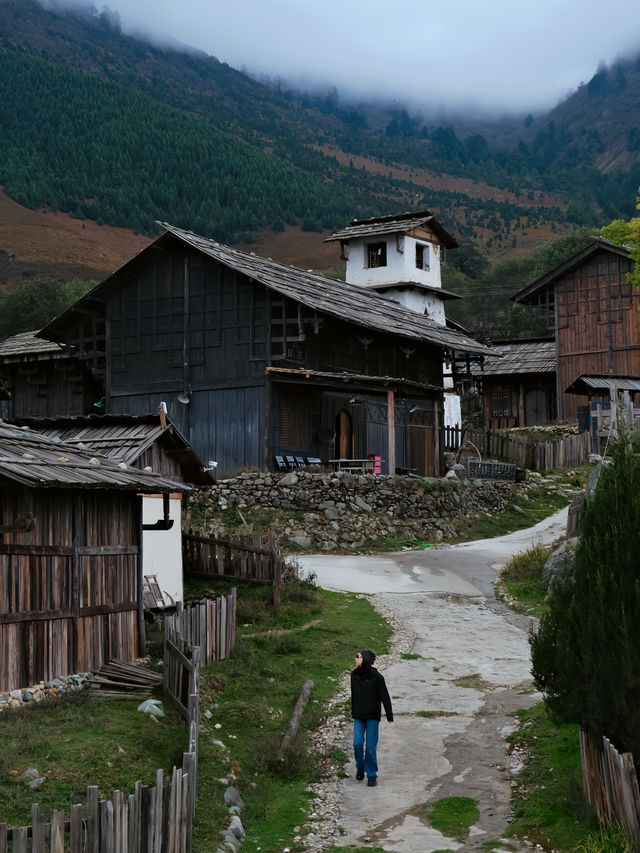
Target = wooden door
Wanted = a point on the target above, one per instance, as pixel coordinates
(344, 435)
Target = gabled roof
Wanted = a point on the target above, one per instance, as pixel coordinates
(348, 302)
(39, 461)
(359, 229)
(123, 438)
(598, 244)
(519, 357)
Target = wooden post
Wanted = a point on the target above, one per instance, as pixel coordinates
(391, 431)
(296, 716)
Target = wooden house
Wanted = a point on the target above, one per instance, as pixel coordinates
(42, 378)
(594, 313)
(70, 557)
(517, 384)
(258, 360)
(150, 443)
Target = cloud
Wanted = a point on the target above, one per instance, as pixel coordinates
(496, 55)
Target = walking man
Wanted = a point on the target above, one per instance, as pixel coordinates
(368, 693)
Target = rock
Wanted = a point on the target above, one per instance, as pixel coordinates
(289, 479)
(232, 797)
(557, 563)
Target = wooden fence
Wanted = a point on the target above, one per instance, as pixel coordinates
(452, 437)
(155, 818)
(246, 559)
(210, 625)
(536, 455)
(610, 784)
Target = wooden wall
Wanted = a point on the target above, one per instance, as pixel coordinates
(597, 325)
(68, 594)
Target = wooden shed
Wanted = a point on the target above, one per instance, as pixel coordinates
(147, 442)
(256, 359)
(594, 313)
(70, 558)
(518, 383)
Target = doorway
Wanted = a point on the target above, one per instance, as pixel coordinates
(343, 447)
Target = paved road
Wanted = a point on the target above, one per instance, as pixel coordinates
(473, 673)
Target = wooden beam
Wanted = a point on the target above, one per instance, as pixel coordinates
(391, 431)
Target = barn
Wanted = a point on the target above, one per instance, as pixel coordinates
(70, 557)
(257, 360)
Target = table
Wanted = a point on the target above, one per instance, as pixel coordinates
(360, 466)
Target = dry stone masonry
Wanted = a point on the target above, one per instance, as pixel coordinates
(344, 511)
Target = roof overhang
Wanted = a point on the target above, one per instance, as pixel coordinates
(603, 383)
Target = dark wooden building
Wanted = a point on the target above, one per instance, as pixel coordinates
(517, 384)
(256, 359)
(70, 558)
(594, 313)
(40, 378)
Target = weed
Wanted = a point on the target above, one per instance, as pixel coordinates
(411, 656)
(548, 803)
(431, 714)
(522, 579)
(452, 816)
(338, 756)
(609, 838)
(473, 682)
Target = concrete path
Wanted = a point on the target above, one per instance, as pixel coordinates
(453, 705)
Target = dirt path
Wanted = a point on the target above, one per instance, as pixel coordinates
(453, 704)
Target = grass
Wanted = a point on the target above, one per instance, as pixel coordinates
(453, 816)
(548, 805)
(430, 715)
(78, 741)
(522, 579)
(251, 697)
(541, 505)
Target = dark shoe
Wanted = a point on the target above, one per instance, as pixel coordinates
(372, 782)
(360, 775)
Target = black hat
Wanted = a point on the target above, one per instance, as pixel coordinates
(368, 657)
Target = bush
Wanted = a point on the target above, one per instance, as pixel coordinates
(586, 654)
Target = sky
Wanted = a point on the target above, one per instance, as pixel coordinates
(499, 55)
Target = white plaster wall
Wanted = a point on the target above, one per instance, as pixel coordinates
(401, 266)
(452, 410)
(420, 301)
(162, 549)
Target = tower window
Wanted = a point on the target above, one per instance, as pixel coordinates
(422, 257)
(376, 255)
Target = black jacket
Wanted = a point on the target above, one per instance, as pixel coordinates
(368, 693)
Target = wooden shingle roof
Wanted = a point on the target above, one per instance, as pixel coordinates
(27, 344)
(348, 302)
(40, 461)
(518, 357)
(123, 438)
(399, 224)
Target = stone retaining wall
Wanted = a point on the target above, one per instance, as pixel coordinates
(44, 690)
(342, 510)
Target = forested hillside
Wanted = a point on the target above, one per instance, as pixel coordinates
(109, 128)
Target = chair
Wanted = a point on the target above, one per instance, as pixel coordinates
(300, 461)
(314, 460)
(281, 464)
(291, 462)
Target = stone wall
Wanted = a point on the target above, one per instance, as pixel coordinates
(345, 511)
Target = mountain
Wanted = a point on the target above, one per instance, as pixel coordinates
(114, 132)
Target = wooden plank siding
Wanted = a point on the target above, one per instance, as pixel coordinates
(597, 325)
(68, 595)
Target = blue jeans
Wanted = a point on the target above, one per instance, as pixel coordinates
(366, 755)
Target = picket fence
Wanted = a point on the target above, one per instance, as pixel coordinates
(154, 818)
(540, 456)
(610, 784)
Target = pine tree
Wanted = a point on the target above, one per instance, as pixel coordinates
(586, 654)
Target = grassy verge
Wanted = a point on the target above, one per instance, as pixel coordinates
(77, 741)
(541, 505)
(522, 580)
(251, 697)
(548, 805)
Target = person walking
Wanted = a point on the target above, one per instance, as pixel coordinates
(368, 693)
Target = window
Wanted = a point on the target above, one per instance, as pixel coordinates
(422, 257)
(500, 405)
(376, 255)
